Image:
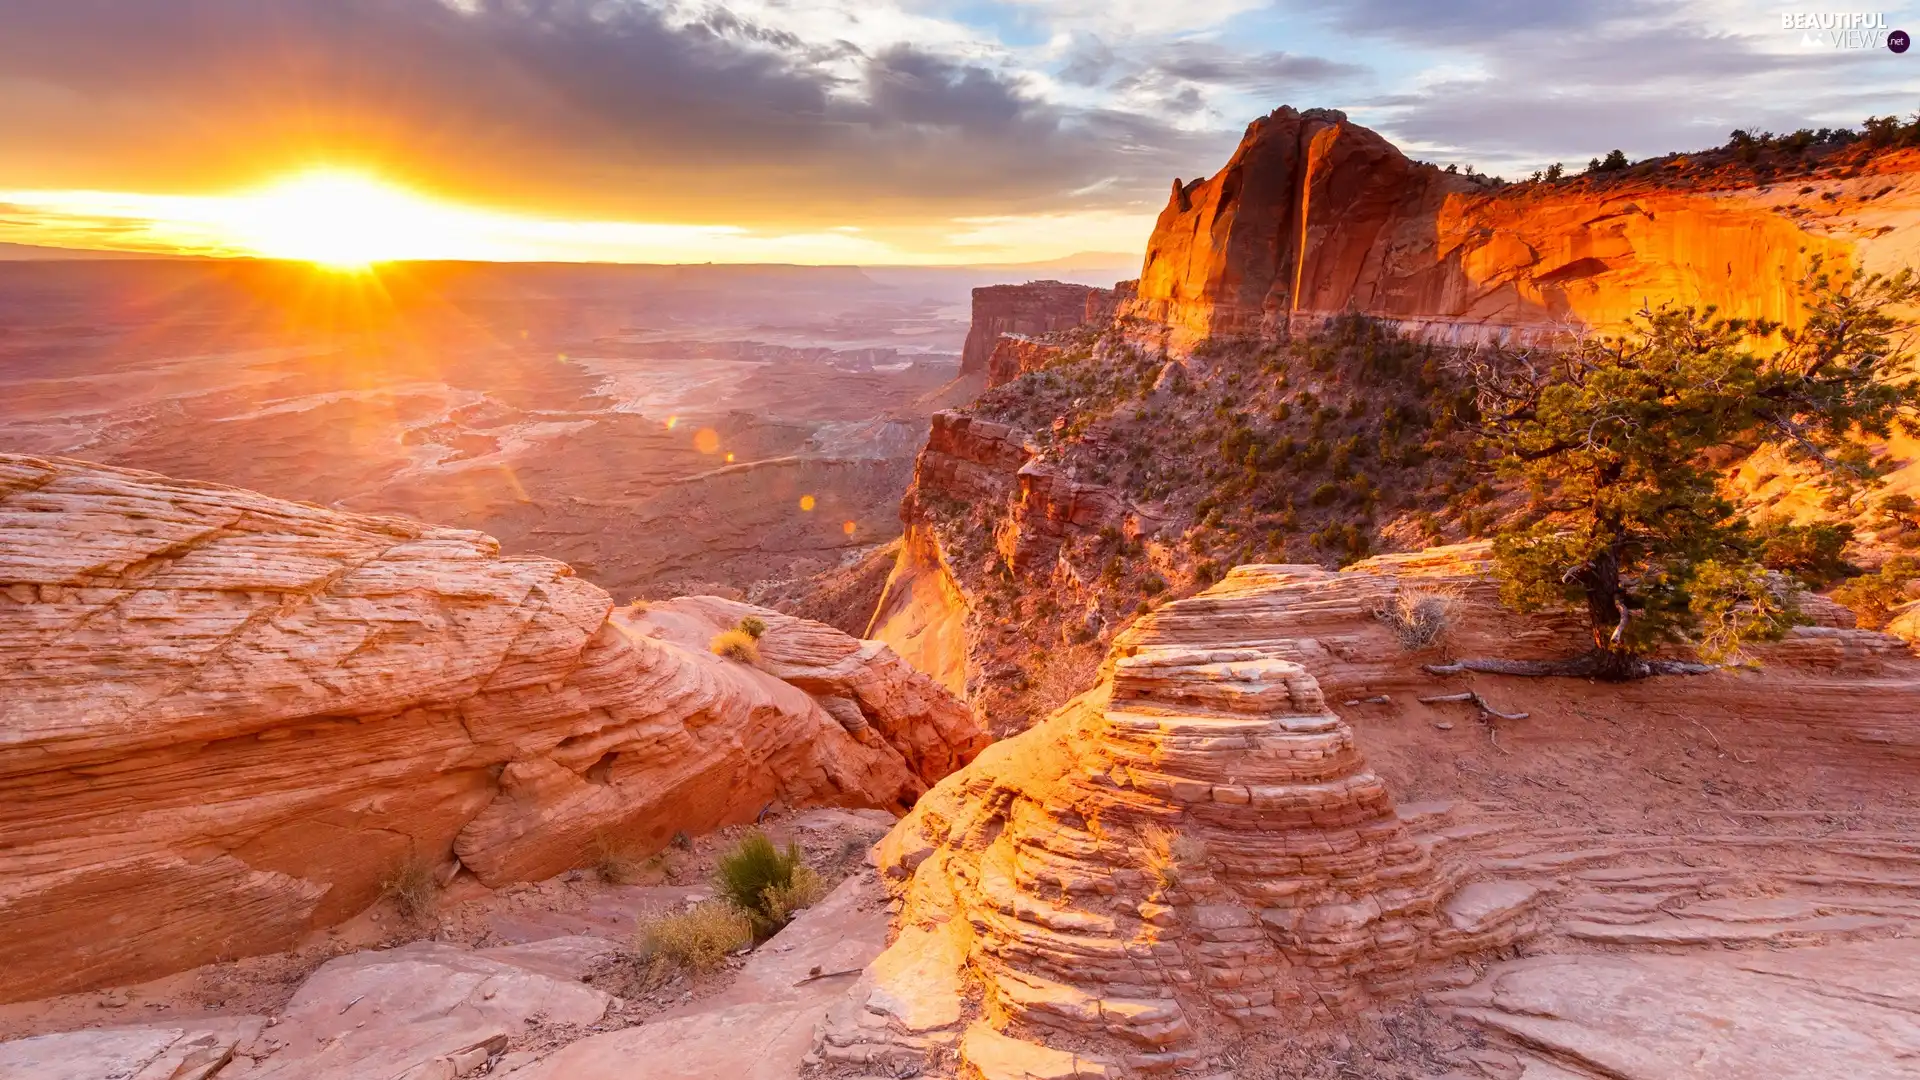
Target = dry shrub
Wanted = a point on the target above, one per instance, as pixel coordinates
(782, 902)
(753, 626)
(1420, 615)
(697, 940)
(736, 644)
(1165, 852)
(616, 861)
(412, 885)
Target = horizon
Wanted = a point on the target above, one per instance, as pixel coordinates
(348, 132)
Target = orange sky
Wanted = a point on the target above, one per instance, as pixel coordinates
(876, 131)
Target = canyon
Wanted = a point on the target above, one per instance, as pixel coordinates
(1136, 766)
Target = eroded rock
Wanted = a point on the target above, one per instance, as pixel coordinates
(225, 719)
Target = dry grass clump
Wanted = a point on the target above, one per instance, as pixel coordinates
(698, 939)
(736, 644)
(1164, 853)
(1420, 615)
(616, 861)
(412, 885)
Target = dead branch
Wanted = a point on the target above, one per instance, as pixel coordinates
(1473, 698)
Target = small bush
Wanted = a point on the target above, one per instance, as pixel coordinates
(1419, 615)
(615, 861)
(1873, 597)
(766, 884)
(413, 887)
(1164, 852)
(698, 939)
(1812, 553)
(753, 626)
(736, 645)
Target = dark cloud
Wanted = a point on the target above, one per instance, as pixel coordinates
(608, 105)
(1183, 77)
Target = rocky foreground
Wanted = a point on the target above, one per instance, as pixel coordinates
(226, 720)
(1253, 850)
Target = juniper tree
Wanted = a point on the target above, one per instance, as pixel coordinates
(1622, 443)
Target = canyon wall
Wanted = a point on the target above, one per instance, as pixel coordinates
(1038, 307)
(225, 719)
(1314, 215)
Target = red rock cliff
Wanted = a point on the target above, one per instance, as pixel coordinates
(1038, 307)
(1315, 215)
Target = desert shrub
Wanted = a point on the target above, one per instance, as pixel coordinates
(1872, 597)
(736, 645)
(753, 626)
(1812, 553)
(412, 885)
(1165, 852)
(766, 884)
(1420, 615)
(615, 861)
(697, 939)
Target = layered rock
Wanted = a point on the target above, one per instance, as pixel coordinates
(1314, 215)
(1197, 844)
(1016, 355)
(225, 719)
(1197, 841)
(1037, 307)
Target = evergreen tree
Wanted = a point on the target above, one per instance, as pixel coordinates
(1622, 442)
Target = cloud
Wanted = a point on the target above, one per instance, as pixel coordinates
(1568, 82)
(605, 108)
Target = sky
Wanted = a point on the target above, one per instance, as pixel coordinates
(830, 131)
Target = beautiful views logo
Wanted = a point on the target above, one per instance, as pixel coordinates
(1844, 30)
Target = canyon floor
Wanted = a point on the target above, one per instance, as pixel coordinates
(658, 435)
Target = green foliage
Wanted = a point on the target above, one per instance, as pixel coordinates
(1614, 438)
(1873, 597)
(1813, 553)
(753, 626)
(766, 884)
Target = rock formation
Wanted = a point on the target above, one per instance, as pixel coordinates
(1314, 215)
(225, 719)
(1038, 307)
(1198, 845)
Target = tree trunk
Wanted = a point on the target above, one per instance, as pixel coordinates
(1607, 614)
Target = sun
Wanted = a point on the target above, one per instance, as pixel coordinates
(337, 218)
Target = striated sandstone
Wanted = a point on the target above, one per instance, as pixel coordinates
(225, 718)
(1015, 355)
(1037, 307)
(1314, 215)
(1197, 844)
(1197, 841)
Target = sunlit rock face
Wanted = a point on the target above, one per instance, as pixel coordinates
(1038, 307)
(1314, 215)
(225, 718)
(1195, 842)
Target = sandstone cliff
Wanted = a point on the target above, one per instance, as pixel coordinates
(1038, 307)
(225, 718)
(1314, 215)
